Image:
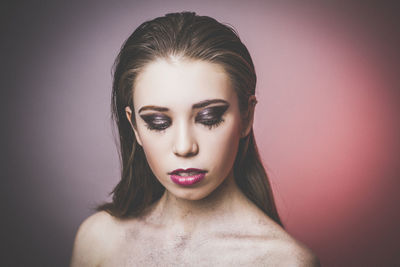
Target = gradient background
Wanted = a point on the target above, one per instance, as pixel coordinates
(327, 121)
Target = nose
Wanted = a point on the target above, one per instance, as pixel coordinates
(185, 144)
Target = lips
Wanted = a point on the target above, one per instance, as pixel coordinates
(185, 172)
(187, 176)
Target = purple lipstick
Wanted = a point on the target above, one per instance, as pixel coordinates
(187, 177)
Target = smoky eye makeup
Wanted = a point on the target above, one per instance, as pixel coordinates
(156, 121)
(211, 116)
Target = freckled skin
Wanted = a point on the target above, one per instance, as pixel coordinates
(249, 239)
(208, 224)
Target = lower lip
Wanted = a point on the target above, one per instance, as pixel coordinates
(187, 180)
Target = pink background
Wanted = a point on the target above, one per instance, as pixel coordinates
(326, 123)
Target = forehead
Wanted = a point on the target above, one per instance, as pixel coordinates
(181, 82)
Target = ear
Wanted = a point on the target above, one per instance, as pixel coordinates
(128, 112)
(248, 119)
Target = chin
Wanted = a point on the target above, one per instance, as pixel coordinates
(191, 194)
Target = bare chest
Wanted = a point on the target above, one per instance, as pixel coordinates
(167, 249)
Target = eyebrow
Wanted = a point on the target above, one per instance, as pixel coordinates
(201, 104)
(153, 108)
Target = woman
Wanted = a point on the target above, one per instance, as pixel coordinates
(193, 190)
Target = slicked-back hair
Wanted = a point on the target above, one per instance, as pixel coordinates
(188, 36)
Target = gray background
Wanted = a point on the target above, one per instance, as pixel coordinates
(59, 159)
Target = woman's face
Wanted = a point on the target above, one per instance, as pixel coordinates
(187, 117)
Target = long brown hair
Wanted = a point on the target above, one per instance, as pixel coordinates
(189, 36)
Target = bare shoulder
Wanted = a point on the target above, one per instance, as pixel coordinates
(94, 239)
(293, 253)
(281, 249)
(288, 251)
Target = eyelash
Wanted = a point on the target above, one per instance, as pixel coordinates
(209, 117)
(157, 128)
(207, 123)
(212, 123)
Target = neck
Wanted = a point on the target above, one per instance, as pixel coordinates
(224, 202)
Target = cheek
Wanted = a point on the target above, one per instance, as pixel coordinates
(154, 149)
(223, 146)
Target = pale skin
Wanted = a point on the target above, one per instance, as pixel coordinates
(210, 223)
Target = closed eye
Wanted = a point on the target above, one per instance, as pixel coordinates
(157, 122)
(211, 116)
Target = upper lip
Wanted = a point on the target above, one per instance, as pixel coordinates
(186, 170)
